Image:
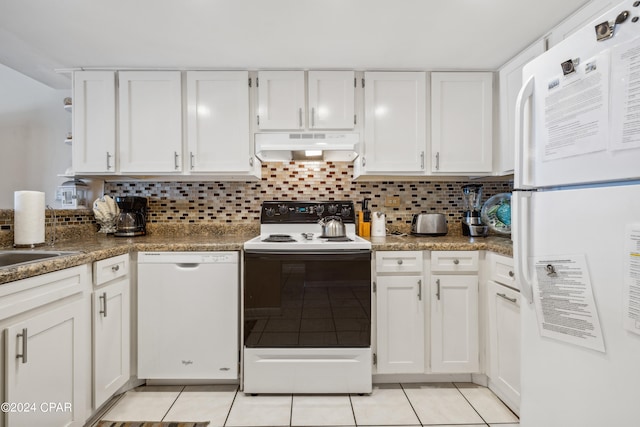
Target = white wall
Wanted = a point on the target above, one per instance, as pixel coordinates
(33, 125)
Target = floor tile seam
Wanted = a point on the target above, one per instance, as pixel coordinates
(410, 404)
(353, 411)
(173, 403)
(470, 404)
(226, 419)
(503, 404)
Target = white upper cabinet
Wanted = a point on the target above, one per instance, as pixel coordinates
(280, 100)
(94, 122)
(282, 104)
(461, 118)
(331, 99)
(395, 123)
(150, 107)
(510, 83)
(218, 136)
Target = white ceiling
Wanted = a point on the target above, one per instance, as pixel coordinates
(39, 36)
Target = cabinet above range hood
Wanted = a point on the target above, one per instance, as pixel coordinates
(283, 147)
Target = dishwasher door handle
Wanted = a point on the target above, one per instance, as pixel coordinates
(188, 265)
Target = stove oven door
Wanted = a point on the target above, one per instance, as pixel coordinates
(307, 299)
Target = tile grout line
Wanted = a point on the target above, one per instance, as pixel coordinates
(470, 404)
(291, 410)
(173, 403)
(353, 411)
(410, 404)
(226, 419)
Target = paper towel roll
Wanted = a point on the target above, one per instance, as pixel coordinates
(28, 220)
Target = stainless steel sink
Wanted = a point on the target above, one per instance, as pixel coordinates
(12, 258)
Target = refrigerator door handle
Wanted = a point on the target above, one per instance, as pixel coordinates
(521, 163)
(520, 228)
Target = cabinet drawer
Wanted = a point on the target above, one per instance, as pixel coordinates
(109, 269)
(399, 262)
(455, 261)
(501, 270)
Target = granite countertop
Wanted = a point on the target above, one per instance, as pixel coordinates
(501, 245)
(99, 246)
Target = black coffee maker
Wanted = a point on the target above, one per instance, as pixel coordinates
(132, 220)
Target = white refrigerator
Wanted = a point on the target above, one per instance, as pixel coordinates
(576, 227)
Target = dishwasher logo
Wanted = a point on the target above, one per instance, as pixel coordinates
(187, 362)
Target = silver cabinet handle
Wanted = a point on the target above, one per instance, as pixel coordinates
(250, 161)
(175, 159)
(300, 116)
(192, 159)
(313, 117)
(511, 273)
(399, 262)
(504, 296)
(109, 160)
(438, 289)
(364, 161)
(420, 290)
(437, 160)
(24, 336)
(115, 268)
(422, 160)
(456, 261)
(103, 297)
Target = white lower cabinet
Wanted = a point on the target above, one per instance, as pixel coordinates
(400, 312)
(111, 327)
(454, 314)
(503, 308)
(46, 349)
(454, 324)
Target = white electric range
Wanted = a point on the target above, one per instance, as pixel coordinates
(306, 303)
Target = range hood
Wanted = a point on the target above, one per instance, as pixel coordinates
(283, 147)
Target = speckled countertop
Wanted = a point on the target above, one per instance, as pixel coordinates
(97, 246)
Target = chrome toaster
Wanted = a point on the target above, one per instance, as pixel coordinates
(429, 225)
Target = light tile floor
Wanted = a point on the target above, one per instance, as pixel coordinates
(435, 405)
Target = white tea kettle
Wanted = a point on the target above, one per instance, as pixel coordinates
(378, 224)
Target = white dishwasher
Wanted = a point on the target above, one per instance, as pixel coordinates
(188, 315)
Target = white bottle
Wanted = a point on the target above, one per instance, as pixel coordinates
(378, 224)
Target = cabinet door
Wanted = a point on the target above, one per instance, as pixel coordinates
(461, 122)
(111, 334)
(504, 343)
(400, 324)
(395, 122)
(331, 99)
(218, 121)
(94, 122)
(454, 324)
(280, 100)
(510, 83)
(45, 366)
(150, 112)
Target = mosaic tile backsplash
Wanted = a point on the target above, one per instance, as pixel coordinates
(229, 202)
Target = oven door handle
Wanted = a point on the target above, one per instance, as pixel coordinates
(267, 253)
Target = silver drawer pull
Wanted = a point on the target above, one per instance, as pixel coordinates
(103, 297)
(399, 262)
(23, 356)
(511, 273)
(115, 268)
(420, 290)
(504, 296)
(456, 261)
(438, 289)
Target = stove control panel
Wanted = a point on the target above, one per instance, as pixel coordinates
(298, 212)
